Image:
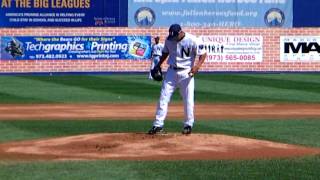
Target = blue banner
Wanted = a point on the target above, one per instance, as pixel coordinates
(63, 13)
(75, 47)
(210, 13)
(306, 13)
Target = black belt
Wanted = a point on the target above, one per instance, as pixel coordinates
(176, 68)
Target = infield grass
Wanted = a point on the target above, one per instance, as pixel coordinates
(212, 88)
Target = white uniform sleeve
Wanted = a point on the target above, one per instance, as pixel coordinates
(200, 47)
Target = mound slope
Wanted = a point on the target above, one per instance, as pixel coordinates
(139, 146)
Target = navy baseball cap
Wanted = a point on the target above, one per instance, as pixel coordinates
(174, 31)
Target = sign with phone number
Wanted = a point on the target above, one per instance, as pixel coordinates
(74, 47)
(233, 48)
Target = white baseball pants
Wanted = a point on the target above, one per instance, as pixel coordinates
(176, 79)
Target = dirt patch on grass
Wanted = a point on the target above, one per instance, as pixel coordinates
(139, 146)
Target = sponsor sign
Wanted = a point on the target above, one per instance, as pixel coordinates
(233, 48)
(299, 48)
(63, 13)
(210, 13)
(75, 47)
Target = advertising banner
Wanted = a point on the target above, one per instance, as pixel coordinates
(75, 47)
(306, 13)
(299, 48)
(63, 13)
(210, 13)
(233, 48)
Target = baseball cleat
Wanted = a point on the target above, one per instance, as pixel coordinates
(156, 130)
(187, 130)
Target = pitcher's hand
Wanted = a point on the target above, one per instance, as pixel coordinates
(193, 71)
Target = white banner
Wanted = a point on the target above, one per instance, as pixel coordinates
(299, 48)
(233, 48)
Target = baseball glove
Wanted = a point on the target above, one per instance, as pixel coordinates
(156, 74)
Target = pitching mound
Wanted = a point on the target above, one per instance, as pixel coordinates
(135, 146)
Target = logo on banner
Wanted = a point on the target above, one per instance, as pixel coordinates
(299, 48)
(14, 48)
(138, 49)
(145, 17)
(302, 47)
(102, 21)
(274, 17)
(214, 48)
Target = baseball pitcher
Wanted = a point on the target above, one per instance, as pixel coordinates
(181, 48)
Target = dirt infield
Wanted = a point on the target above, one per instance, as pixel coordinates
(135, 146)
(147, 111)
(140, 146)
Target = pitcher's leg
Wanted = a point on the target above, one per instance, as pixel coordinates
(187, 93)
(167, 90)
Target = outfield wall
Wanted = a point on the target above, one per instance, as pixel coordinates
(271, 50)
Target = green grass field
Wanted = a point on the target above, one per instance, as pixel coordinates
(210, 88)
